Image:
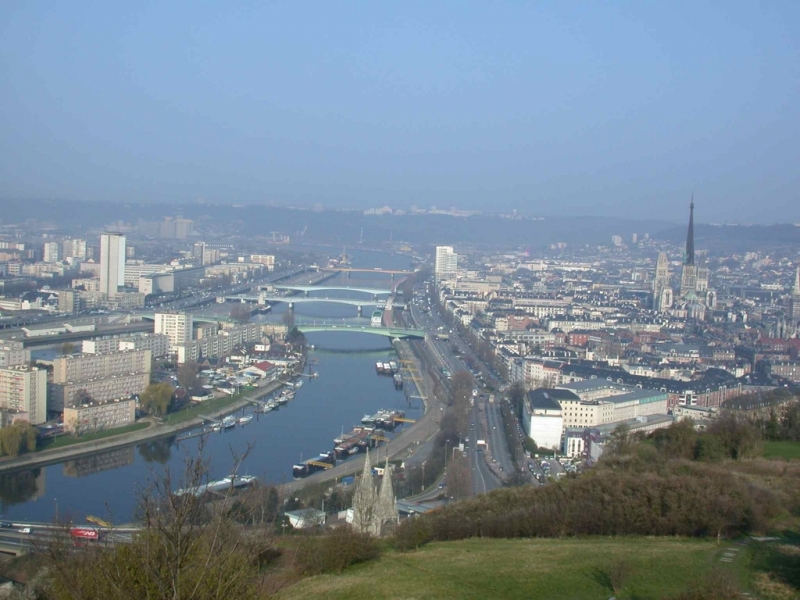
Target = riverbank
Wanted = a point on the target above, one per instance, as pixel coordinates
(409, 441)
(153, 432)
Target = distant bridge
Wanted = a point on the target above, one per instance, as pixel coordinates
(290, 300)
(390, 332)
(195, 317)
(306, 289)
(379, 271)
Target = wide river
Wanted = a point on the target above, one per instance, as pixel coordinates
(106, 485)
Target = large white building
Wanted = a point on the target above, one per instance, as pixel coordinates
(599, 402)
(24, 389)
(176, 326)
(446, 267)
(542, 418)
(112, 262)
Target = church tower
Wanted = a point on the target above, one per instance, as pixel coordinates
(661, 281)
(795, 304)
(689, 274)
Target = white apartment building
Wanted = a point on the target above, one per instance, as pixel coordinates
(176, 326)
(24, 388)
(446, 266)
(541, 373)
(80, 367)
(267, 260)
(221, 344)
(75, 248)
(112, 262)
(66, 395)
(52, 253)
(13, 353)
(157, 344)
(100, 415)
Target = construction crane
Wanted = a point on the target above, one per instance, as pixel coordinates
(99, 521)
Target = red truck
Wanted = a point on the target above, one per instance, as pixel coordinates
(85, 533)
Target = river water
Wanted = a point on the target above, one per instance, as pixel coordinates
(106, 485)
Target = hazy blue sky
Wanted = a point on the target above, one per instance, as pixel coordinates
(619, 108)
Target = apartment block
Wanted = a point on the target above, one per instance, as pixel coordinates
(79, 367)
(222, 344)
(24, 389)
(13, 353)
(99, 415)
(157, 344)
(67, 395)
(176, 326)
(267, 260)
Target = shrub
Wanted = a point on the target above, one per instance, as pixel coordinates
(411, 534)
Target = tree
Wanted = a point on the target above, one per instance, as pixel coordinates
(737, 436)
(16, 438)
(619, 442)
(155, 398)
(67, 348)
(516, 396)
(187, 549)
(295, 337)
(83, 397)
(187, 375)
(240, 312)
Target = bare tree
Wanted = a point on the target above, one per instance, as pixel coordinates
(186, 548)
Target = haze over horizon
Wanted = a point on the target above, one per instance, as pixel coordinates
(549, 109)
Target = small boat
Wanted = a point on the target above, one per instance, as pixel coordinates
(298, 384)
(245, 419)
(216, 427)
(229, 422)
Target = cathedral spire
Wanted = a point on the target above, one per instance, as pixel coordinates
(688, 257)
(796, 289)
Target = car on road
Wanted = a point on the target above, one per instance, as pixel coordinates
(25, 530)
(6, 525)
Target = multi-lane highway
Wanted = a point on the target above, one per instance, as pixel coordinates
(487, 465)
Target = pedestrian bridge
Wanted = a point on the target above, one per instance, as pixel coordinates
(390, 332)
(306, 289)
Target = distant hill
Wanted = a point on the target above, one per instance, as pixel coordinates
(345, 227)
(340, 226)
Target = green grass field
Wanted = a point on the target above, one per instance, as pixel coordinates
(530, 569)
(202, 409)
(785, 450)
(69, 440)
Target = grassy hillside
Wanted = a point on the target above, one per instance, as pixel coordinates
(524, 568)
(785, 450)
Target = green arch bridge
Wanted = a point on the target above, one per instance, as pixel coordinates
(390, 332)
